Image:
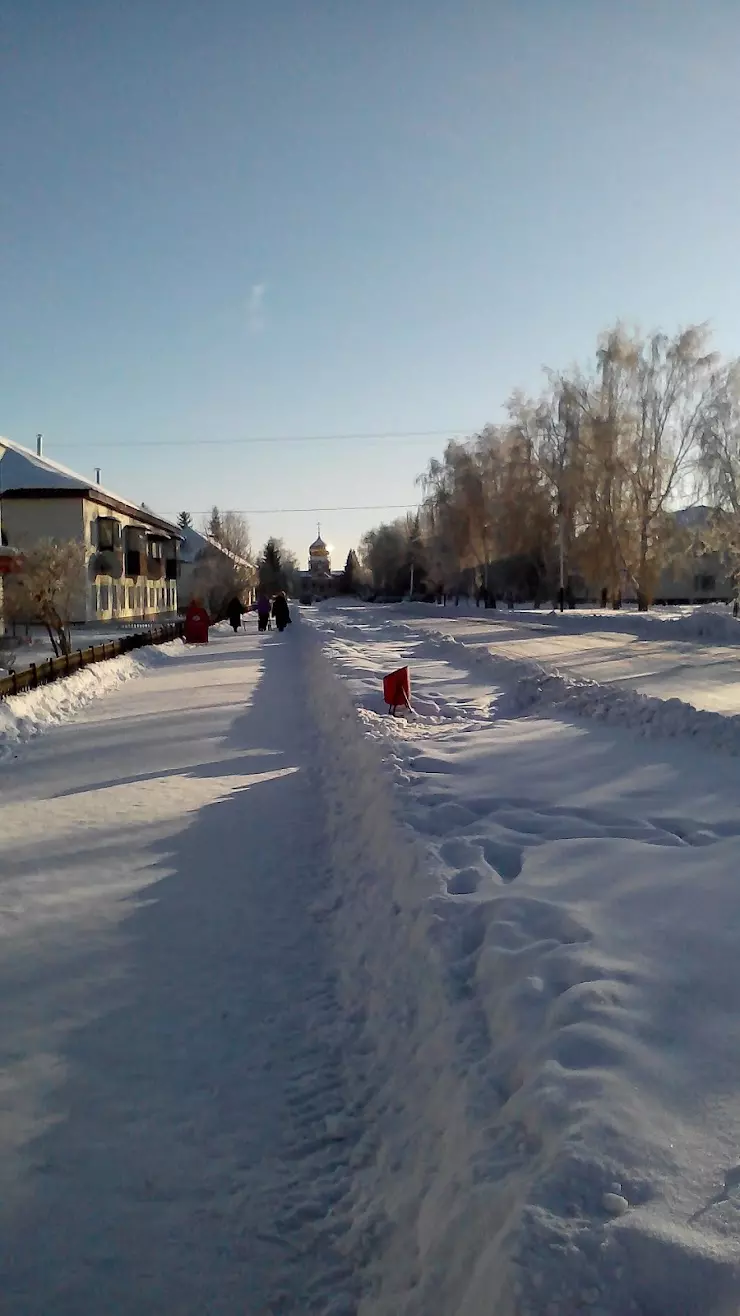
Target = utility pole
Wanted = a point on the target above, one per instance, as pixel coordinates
(561, 538)
(568, 418)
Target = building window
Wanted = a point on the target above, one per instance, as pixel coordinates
(138, 598)
(103, 598)
(705, 583)
(109, 533)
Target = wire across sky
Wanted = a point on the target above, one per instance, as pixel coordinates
(389, 436)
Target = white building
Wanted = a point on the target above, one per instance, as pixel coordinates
(131, 554)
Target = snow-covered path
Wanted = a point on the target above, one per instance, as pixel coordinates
(653, 659)
(169, 1056)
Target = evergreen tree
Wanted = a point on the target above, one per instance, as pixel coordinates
(215, 528)
(184, 520)
(351, 573)
(272, 576)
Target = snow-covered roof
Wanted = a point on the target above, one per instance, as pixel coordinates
(691, 517)
(194, 544)
(23, 471)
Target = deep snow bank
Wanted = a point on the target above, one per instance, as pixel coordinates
(24, 716)
(529, 687)
(418, 1216)
(543, 964)
(520, 686)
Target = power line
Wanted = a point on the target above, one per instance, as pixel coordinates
(391, 436)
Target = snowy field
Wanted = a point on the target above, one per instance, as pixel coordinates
(308, 1009)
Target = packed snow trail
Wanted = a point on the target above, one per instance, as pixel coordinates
(170, 1036)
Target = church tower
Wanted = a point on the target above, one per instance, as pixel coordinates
(319, 560)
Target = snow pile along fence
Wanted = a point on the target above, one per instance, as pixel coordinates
(52, 669)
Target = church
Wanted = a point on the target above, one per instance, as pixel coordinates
(319, 581)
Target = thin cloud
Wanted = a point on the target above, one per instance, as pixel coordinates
(256, 308)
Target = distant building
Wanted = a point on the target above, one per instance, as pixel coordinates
(131, 553)
(691, 577)
(208, 571)
(319, 581)
(700, 577)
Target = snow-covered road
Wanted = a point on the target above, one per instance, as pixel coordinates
(169, 1028)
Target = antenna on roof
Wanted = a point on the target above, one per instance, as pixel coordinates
(39, 445)
(97, 475)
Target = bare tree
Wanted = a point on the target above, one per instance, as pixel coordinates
(50, 588)
(234, 535)
(585, 479)
(640, 423)
(230, 530)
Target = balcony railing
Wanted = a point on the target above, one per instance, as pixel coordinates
(108, 562)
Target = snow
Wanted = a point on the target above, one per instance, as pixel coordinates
(175, 1137)
(308, 1008)
(33, 644)
(570, 1103)
(663, 654)
(22, 469)
(25, 716)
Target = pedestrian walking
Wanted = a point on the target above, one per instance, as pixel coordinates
(234, 613)
(281, 611)
(263, 612)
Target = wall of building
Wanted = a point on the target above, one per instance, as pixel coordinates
(27, 521)
(113, 594)
(700, 580)
(106, 593)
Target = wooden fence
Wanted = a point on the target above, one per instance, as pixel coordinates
(53, 668)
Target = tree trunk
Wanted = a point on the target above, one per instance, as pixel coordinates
(53, 639)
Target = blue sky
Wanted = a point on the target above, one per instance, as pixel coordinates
(242, 219)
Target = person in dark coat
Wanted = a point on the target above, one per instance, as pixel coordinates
(281, 611)
(263, 612)
(234, 613)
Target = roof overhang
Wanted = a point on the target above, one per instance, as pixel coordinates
(94, 495)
